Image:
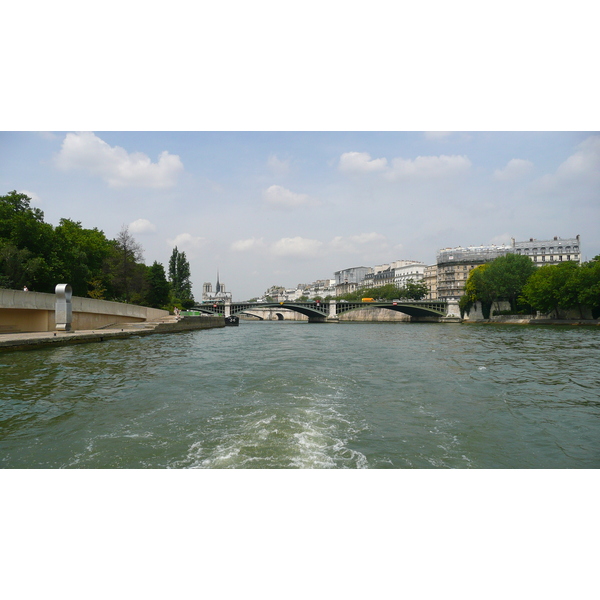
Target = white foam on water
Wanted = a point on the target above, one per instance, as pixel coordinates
(299, 433)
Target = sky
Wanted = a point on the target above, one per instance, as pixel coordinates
(283, 208)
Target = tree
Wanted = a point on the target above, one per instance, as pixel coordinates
(414, 290)
(179, 278)
(478, 288)
(158, 293)
(589, 285)
(552, 287)
(506, 276)
(25, 244)
(126, 276)
(79, 255)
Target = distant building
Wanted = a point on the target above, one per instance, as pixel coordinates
(218, 295)
(349, 280)
(549, 252)
(430, 279)
(455, 264)
(414, 271)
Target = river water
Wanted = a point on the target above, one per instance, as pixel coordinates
(298, 395)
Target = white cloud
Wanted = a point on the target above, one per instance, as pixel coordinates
(515, 169)
(356, 243)
(249, 244)
(429, 167)
(297, 247)
(579, 174)
(87, 152)
(361, 162)
(32, 195)
(422, 167)
(279, 197)
(278, 166)
(585, 162)
(188, 243)
(142, 226)
(437, 135)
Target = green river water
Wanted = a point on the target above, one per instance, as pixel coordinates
(297, 395)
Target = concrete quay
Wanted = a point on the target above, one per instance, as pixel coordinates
(41, 339)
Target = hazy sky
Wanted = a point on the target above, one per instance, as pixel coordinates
(286, 208)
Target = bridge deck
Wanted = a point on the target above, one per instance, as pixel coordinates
(420, 308)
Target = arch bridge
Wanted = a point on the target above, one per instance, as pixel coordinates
(321, 312)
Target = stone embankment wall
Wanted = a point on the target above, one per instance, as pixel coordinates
(34, 311)
(565, 317)
(367, 315)
(190, 324)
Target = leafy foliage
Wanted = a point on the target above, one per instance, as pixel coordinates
(38, 255)
(179, 278)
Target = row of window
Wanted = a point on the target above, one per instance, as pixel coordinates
(550, 250)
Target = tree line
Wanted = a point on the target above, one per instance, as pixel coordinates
(37, 255)
(548, 289)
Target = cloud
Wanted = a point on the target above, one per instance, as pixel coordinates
(437, 135)
(188, 243)
(142, 226)
(32, 195)
(579, 174)
(278, 166)
(428, 167)
(515, 169)
(297, 247)
(85, 151)
(279, 197)
(361, 162)
(249, 244)
(355, 244)
(422, 167)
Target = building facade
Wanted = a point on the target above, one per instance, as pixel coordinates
(549, 252)
(455, 264)
(219, 295)
(430, 279)
(349, 280)
(414, 272)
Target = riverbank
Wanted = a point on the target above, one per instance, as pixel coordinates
(516, 320)
(32, 340)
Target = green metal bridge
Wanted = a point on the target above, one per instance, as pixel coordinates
(320, 312)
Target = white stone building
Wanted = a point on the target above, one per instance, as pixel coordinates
(414, 271)
(549, 252)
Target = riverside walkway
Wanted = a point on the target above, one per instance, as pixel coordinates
(40, 339)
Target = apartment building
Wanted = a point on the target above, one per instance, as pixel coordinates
(349, 280)
(549, 252)
(414, 271)
(430, 279)
(455, 264)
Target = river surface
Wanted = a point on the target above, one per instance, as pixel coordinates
(298, 395)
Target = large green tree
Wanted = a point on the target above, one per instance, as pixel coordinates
(123, 268)
(179, 278)
(158, 293)
(553, 287)
(507, 275)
